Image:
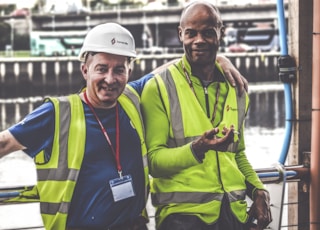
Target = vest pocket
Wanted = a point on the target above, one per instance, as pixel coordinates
(239, 208)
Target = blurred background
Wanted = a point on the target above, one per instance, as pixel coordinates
(57, 27)
(40, 41)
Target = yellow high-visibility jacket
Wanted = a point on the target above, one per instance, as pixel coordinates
(174, 117)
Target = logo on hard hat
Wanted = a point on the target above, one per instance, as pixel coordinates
(113, 41)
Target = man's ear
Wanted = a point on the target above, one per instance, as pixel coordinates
(84, 70)
(222, 32)
(180, 33)
(129, 74)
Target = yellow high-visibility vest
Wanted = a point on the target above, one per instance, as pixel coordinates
(57, 177)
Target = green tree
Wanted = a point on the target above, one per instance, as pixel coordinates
(5, 31)
(21, 42)
(172, 2)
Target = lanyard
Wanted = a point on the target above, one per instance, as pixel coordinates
(116, 153)
(206, 93)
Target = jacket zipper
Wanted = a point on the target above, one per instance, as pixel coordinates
(219, 172)
(205, 88)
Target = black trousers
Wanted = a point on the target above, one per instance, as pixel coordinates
(181, 221)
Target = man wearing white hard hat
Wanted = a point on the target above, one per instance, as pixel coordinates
(89, 147)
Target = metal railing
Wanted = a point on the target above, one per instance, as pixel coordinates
(275, 177)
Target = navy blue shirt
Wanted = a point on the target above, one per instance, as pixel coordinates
(92, 203)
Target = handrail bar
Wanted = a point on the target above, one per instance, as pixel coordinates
(291, 173)
(267, 175)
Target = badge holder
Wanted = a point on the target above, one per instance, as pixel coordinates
(122, 188)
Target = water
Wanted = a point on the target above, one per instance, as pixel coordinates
(263, 145)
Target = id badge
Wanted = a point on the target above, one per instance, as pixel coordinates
(122, 188)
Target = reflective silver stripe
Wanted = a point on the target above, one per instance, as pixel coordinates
(232, 147)
(62, 172)
(175, 110)
(195, 197)
(135, 100)
(65, 117)
(185, 197)
(236, 195)
(54, 208)
(241, 102)
(145, 160)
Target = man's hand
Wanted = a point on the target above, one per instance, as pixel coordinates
(260, 209)
(232, 74)
(209, 141)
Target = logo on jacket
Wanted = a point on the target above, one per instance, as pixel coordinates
(228, 107)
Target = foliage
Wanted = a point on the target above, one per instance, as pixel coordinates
(6, 9)
(172, 2)
(5, 31)
(20, 41)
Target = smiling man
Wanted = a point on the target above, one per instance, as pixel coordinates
(89, 147)
(194, 124)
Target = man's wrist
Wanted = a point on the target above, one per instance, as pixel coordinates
(260, 192)
(196, 152)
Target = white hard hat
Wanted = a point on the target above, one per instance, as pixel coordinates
(108, 38)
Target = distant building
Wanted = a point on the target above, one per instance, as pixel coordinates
(64, 7)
